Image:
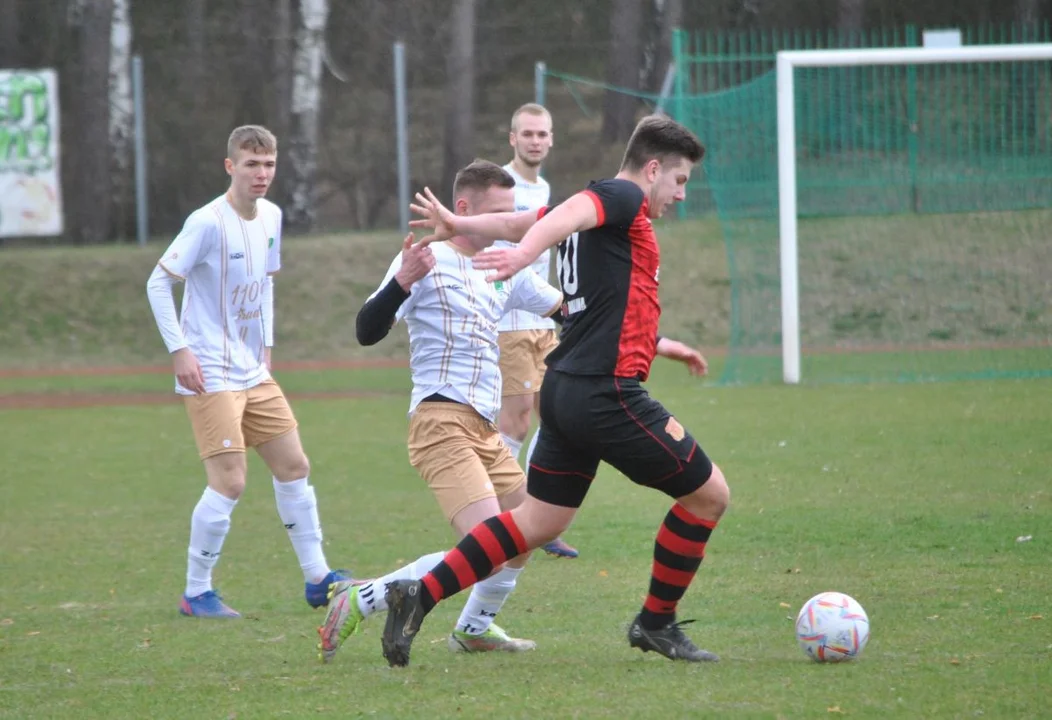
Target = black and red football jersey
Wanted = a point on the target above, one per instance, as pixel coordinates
(609, 278)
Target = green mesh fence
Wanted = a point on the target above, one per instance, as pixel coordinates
(925, 234)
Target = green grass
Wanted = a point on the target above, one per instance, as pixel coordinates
(87, 307)
(899, 292)
(908, 497)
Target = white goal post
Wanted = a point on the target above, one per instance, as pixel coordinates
(787, 61)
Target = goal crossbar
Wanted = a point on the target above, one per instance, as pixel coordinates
(787, 61)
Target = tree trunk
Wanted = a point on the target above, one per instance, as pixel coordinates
(10, 34)
(306, 105)
(850, 23)
(670, 17)
(281, 97)
(1024, 79)
(250, 60)
(121, 115)
(619, 109)
(88, 124)
(194, 62)
(281, 65)
(460, 93)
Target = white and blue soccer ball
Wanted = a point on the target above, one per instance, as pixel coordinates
(832, 627)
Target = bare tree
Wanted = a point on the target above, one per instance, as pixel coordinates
(121, 113)
(87, 137)
(625, 55)
(669, 18)
(195, 58)
(1023, 76)
(279, 108)
(281, 65)
(460, 95)
(10, 34)
(251, 62)
(850, 17)
(306, 104)
(850, 23)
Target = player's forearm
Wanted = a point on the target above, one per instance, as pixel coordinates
(377, 316)
(267, 298)
(509, 226)
(575, 215)
(162, 303)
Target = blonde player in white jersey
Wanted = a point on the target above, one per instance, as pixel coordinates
(227, 253)
(526, 338)
(452, 312)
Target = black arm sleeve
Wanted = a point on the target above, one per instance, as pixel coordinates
(377, 316)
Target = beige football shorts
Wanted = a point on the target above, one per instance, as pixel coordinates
(522, 354)
(230, 421)
(460, 456)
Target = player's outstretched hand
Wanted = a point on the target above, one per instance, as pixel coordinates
(503, 262)
(188, 371)
(675, 350)
(433, 215)
(417, 261)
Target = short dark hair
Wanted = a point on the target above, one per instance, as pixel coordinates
(481, 175)
(660, 137)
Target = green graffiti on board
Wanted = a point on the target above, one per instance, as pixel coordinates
(25, 123)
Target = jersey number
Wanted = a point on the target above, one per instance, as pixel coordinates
(568, 265)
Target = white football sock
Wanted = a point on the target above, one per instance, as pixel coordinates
(529, 450)
(487, 598)
(209, 525)
(514, 446)
(298, 510)
(371, 594)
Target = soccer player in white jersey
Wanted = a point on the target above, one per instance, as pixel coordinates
(526, 338)
(452, 312)
(227, 253)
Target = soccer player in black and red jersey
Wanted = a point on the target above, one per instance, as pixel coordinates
(593, 405)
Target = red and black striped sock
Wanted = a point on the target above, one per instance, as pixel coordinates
(678, 552)
(489, 544)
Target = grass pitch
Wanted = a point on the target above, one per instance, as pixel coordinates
(930, 504)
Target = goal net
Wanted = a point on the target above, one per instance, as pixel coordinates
(895, 223)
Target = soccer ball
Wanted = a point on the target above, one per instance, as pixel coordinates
(832, 627)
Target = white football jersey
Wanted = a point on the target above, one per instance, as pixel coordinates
(529, 196)
(224, 259)
(452, 314)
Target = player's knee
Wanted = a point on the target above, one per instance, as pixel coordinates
(540, 522)
(226, 474)
(292, 467)
(715, 494)
(710, 501)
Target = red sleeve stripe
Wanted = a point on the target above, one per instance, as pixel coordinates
(599, 211)
(542, 211)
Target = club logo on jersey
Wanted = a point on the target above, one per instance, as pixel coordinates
(174, 256)
(498, 286)
(674, 429)
(270, 242)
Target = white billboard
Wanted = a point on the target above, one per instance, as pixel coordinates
(30, 191)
